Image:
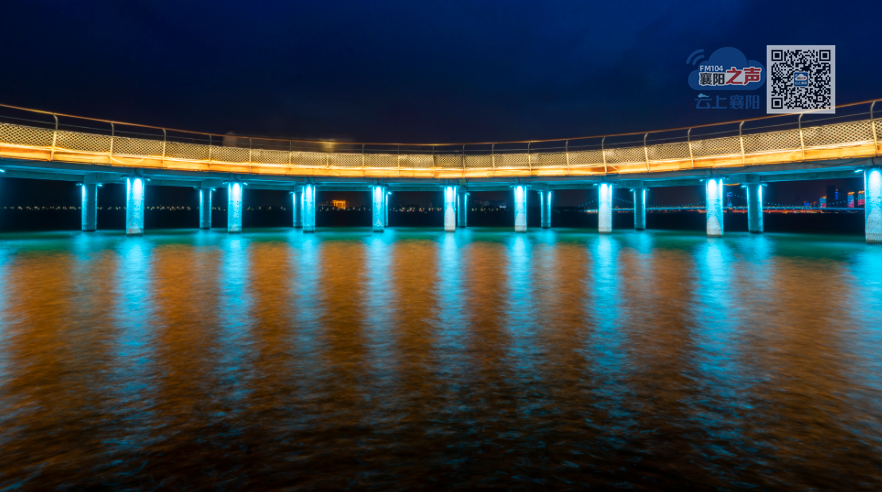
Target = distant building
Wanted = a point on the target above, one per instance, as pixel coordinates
(850, 199)
(338, 204)
(832, 195)
(823, 202)
(860, 198)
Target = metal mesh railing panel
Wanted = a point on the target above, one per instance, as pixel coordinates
(759, 143)
(83, 142)
(625, 155)
(25, 135)
(233, 155)
(512, 161)
(478, 161)
(716, 147)
(448, 161)
(381, 161)
(668, 152)
(311, 159)
(856, 132)
(277, 157)
(345, 161)
(417, 161)
(551, 159)
(137, 147)
(586, 158)
(190, 152)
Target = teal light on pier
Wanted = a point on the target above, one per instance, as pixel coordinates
(134, 206)
(520, 208)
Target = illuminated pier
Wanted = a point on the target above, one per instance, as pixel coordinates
(296, 200)
(520, 208)
(134, 206)
(714, 206)
(450, 208)
(754, 207)
(545, 209)
(604, 208)
(234, 207)
(205, 195)
(639, 208)
(808, 147)
(378, 212)
(462, 208)
(873, 204)
(89, 207)
(307, 208)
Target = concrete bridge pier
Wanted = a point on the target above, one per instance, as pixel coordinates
(640, 209)
(89, 207)
(450, 208)
(462, 208)
(604, 208)
(714, 206)
(545, 209)
(296, 198)
(205, 195)
(520, 208)
(754, 207)
(307, 208)
(135, 205)
(873, 204)
(386, 208)
(234, 207)
(378, 201)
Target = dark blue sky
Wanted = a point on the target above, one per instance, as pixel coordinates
(407, 71)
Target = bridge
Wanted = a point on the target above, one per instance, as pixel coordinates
(44, 145)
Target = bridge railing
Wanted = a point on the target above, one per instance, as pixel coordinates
(727, 145)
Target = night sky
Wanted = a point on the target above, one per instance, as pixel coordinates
(408, 71)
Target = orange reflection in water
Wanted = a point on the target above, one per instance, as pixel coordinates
(277, 359)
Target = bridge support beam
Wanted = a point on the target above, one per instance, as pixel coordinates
(520, 208)
(135, 206)
(462, 208)
(205, 195)
(234, 207)
(873, 205)
(640, 209)
(754, 208)
(450, 208)
(90, 207)
(378, 215)
(307, 208)
(604, 208)
(545, 209)
(714, 206)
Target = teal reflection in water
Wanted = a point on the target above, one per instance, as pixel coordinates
(482, 358)
(606, 296)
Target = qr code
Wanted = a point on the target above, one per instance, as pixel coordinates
(801, 78)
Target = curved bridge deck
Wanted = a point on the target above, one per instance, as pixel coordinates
(747, 150)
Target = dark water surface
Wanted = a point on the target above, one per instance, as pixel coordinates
(419, 359)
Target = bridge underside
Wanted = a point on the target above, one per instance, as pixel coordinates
(90, 173)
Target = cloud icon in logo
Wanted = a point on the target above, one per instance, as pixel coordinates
(727, 58)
